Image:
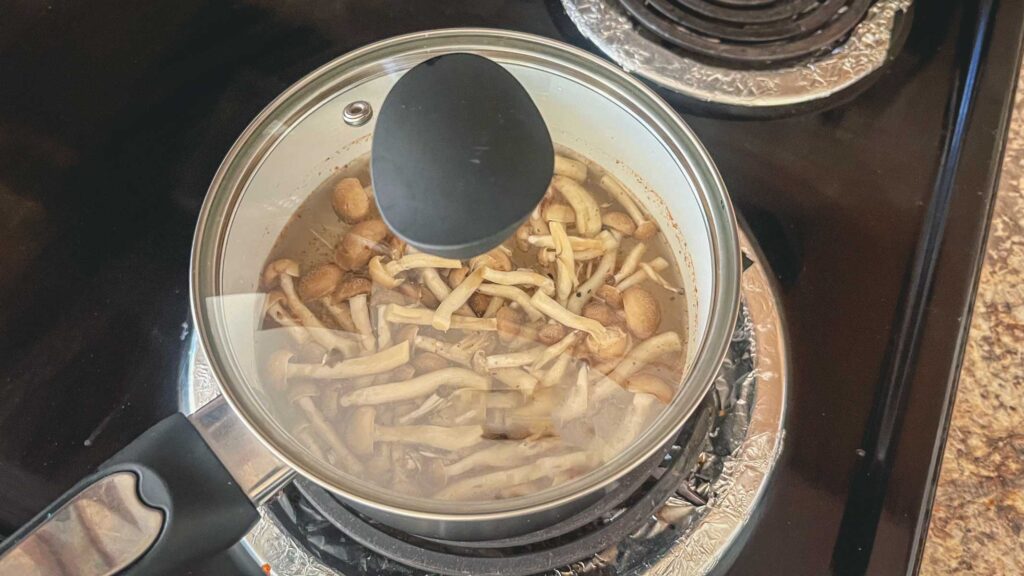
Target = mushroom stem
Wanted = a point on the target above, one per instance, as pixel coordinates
(485, 485)
(433, 401)
(341, 313)
(513, 359)
(441, 437)
(631, 261)
(556, 349)
(378, 363)
(502, 454)
(384, 339)
(559, 314)
(576, 401)
(327, 338)
(586, 290)
(521, 277)
(425, 316)
(645, 228)
(658, 264)
(645, 352)
(570, 168)
(329, 436)
(554, 374)
(445, 350)
(576, 242)
(361, 318)
(565, 263)
(419, 260)
(495, 304)
(415, 387)
(380, 274)
(516, 379)
(658, 278)
(558, 212)
(292, 326)
(588, 213)
(510, 293)
(457, 298)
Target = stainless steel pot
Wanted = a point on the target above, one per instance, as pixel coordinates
(324, 121)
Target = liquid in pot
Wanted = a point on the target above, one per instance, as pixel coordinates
(496, 377)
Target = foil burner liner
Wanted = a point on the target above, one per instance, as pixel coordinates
(689, 534)
(607, 24)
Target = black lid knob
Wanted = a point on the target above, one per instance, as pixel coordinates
(460, 156)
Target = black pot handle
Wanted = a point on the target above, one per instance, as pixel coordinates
(161, 505)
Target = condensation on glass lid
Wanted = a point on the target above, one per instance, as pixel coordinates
(472, 380)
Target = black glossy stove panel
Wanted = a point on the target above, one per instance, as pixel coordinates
(114, 117)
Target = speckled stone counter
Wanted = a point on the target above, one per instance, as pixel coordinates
(977, 524)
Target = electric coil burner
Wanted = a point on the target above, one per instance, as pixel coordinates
(682, 518)
(747, 54)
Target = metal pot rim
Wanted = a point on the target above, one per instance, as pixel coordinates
(257, 140)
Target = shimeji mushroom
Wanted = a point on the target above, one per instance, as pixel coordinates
(486, 485)
(350, 201)
(428, 362)
(550, 333)
(361, 318)
(508, 323)
(415, 387)
(319, 282)
(576, 242)
(378, 363)
(513, 359)
(341, 313)
(588, 212)
(570, 168)
(610, 295)
(645, 228)
(283, 272)
(557, 371)
(442, 319)
(515, 379)
(358, 245)
(657, 265)
(513, 294)
(424, 317)
(274, 306)
(597, 278)
(645, 352)
(379, 274)
(631, 261)
(603, 313)
(558, 313)
(658, 278)
(558, 212)
(555, 350)
(521, 277)
(445, 350)
(495, 259)
(503, 454)
(304, 434)
(301, 395)
(643, 313)
(565, 263)
(620, 222)
(363, 432)
(575, 403)
(651, 384)
(418, 260)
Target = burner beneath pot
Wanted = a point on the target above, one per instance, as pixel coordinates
(745, 54)
(704, 489)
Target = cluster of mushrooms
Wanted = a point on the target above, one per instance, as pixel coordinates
(496, 377)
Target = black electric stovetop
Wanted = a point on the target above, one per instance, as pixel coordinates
(872, 213)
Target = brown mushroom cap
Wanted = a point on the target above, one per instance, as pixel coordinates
(402, 372)
(643, 314)
(601, 312)
(455, 277)
(614, 346)
(359, 432)
(319, 281)
(358, 244)
(620, 222)
(610, 295)
(509, 322)
(275, 269)
(352, 286)
(550, 333)
(350, 201)
(478, 303)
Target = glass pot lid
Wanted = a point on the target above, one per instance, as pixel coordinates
(538, 372)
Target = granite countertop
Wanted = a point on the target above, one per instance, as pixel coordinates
(977, 524)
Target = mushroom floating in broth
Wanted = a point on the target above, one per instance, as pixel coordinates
(494, 377)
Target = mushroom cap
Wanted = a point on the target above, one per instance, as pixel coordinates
(403, 372)
(350, 201)
(645, 230)
(550, 333)
(614, 345)
(274, 297)
(352, 286)
(277, 368)
(509, 323)
(610, 295)
(643, 313)
(358, 244)
(359, 432)
(651, 384)
(478, 303)
(620, 222)
(275, 269)
(319, 282)
(601, 312)
(380, 275)
(456, 276)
